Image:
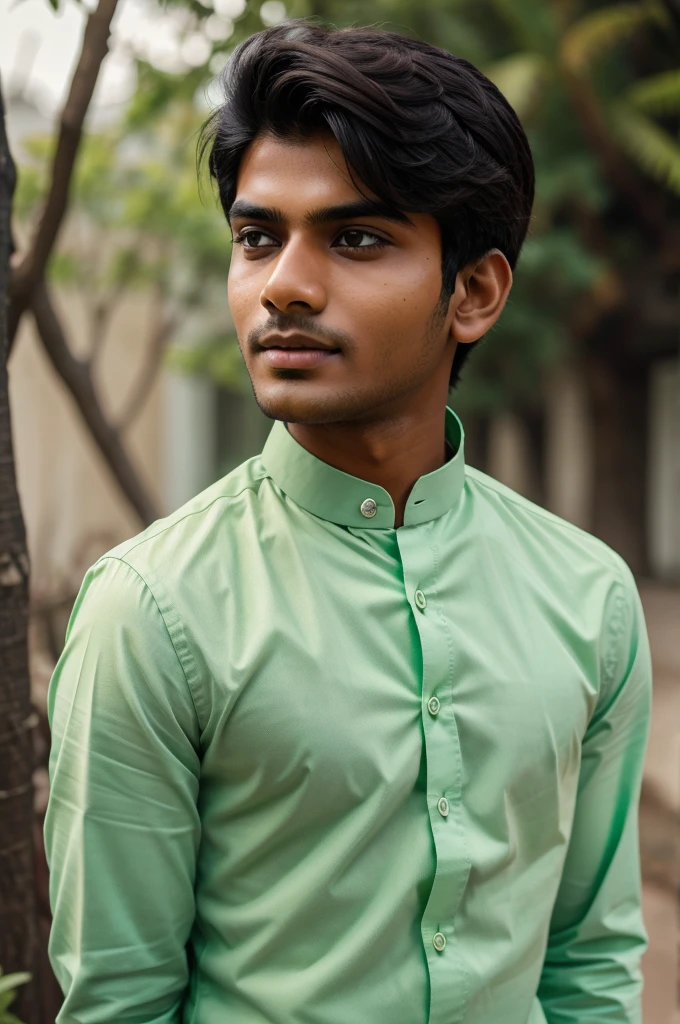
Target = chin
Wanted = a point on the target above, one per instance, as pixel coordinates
(300, 401)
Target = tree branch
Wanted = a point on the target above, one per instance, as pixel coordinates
(32, 268)
(76, 375)
(100, 312)
(154, 356)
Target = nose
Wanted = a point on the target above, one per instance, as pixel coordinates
(295, 283)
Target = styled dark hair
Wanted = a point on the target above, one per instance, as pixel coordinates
(424, 131)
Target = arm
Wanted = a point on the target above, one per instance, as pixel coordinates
(122, 827)
(592, 963)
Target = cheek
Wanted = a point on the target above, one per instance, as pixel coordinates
(393, 299)
(243, 292)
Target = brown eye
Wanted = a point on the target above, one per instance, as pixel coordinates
(355, 238)
(254, 239)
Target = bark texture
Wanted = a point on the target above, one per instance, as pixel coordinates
(18, 932)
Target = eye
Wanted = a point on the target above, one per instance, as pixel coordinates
(254, 239)
(357, 238)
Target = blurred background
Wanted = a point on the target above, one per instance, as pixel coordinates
(126, 388)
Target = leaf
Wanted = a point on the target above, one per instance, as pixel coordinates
(217, 358)
(658, 94)
(65, 269)
(9, 1018)
(8, 982)
(532, 24)
(653, 149)
(520, 78)
(598, 32)
(157, 90)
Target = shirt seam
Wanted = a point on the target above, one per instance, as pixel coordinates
(116, 558)
(617, 623)
(187, 515)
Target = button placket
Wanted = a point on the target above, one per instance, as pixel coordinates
(442, 754)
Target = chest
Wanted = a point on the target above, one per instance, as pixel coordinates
(328, 679)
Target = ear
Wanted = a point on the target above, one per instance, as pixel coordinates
(479, 296)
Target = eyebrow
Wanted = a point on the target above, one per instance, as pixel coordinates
(241, 208)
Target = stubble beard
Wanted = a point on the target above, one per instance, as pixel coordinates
(350, 406)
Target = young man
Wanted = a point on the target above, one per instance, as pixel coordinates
(356, 736)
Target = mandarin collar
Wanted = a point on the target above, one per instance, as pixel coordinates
(338, 497)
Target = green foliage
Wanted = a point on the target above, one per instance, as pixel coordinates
(136, 219)
(157, 90)
(595, 33)
(33, 178)
(521, 78)
(8, 985)
(219, 358)
(531, 25)
(554, 273)
(648, 144)
(658, 94)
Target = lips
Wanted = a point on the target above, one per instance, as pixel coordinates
(295, 341)
(295, 351)
(297, 358)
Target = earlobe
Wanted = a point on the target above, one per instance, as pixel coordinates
(483, 287)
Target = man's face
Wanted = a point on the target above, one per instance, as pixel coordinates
(307, 270)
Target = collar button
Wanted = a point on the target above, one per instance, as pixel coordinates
(368, 508)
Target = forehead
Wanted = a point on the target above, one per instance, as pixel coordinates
(295, 174)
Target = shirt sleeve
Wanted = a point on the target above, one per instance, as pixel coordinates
(122, 826)
(597, 937)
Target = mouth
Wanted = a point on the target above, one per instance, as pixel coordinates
(294, 351)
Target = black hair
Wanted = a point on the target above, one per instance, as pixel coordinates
(423, 130)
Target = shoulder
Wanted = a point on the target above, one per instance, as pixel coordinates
(181, 559)
(191, 535)
(576, 577)
(530, 529)
(581, 583)
(158, 591)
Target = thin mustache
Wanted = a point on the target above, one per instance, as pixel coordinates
(304, 325)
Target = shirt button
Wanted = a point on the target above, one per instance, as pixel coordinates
(439, 941)
(433, 705)
(420, 599)
(443, 806)
(368, 508)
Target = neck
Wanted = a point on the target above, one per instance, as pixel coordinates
(392, 452)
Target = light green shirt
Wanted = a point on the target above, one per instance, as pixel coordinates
(308, 768)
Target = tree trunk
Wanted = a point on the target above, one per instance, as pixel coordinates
(18, 933)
